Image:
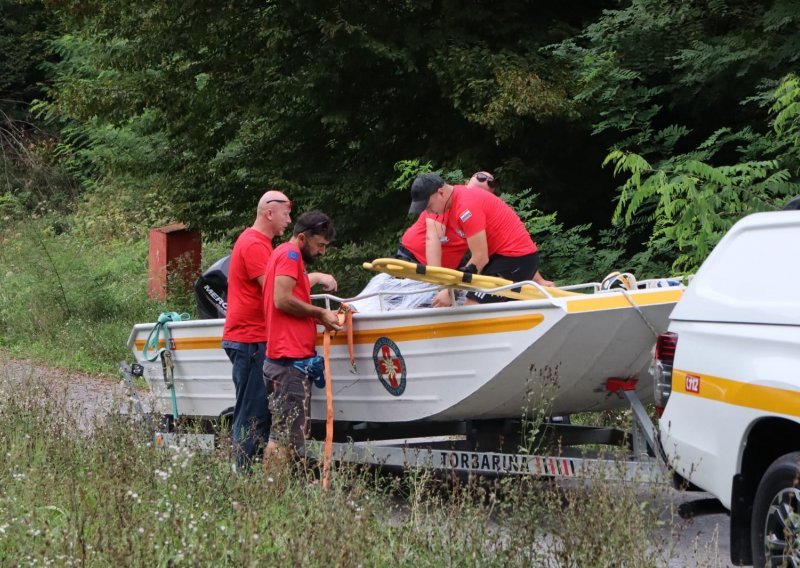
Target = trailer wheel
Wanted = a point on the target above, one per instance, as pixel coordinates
(775, 532)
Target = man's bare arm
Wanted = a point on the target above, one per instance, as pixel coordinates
(433, 246)
(328, 282)
(285, 301)
(479, 249)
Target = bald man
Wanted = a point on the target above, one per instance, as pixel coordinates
(245, 335)
(483, 180)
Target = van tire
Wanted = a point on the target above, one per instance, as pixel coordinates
(779, 486)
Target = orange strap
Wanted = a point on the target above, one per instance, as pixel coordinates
(348, 322)
(346, 319)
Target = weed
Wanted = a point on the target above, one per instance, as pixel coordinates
(104, 495)
(71, 300)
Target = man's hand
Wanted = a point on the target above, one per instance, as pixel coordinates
(328, 281)
(442, 299)
(330, 320)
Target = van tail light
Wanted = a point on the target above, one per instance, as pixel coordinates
(661, 369)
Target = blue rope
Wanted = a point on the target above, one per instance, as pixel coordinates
(152, 342)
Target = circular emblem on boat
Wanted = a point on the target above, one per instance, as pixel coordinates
(389, 365)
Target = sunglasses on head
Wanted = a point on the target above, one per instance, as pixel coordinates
(280, 201)
(487, 179)
(322, 225)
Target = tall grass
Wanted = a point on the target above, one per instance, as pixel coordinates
(70, 299)
(105, 496)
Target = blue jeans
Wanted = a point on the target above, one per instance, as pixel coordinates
(251, 417)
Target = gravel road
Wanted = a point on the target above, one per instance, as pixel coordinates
(697, 542)
(88, 395)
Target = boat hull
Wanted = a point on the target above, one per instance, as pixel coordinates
(477, 362)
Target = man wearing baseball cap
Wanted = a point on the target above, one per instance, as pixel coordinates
(413, 244)
(497, 238)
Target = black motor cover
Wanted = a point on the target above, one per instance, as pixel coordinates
(211, 290)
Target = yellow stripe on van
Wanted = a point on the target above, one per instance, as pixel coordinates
(606, 302)
(759, 397)
(406, 333)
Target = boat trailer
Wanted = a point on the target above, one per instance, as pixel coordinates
(491, 448)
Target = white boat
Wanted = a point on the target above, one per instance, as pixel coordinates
(555, 354)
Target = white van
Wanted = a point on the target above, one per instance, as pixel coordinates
(728, 382)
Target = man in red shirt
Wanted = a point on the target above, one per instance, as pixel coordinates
(245, 334)
(497, 238)
(413, 243)
(413, 247)
(292, 323)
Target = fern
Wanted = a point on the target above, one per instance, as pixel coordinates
(695, 202)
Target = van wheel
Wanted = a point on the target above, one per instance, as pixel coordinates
(775, 532)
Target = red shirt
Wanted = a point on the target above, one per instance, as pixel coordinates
(453, 247)
(289, 336)
(244, 320)
(474, 211)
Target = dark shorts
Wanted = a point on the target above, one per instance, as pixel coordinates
(404, 254)
(514, 268)
(289, 402)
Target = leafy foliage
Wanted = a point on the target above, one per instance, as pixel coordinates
(694, 202)
(189, 112)
(682, 90)
(30, 173)
(209, 105)
(786, 108)
(568, 256)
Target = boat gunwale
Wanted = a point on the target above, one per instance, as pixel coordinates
(439, 313)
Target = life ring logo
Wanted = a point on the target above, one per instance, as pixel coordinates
(389, 365)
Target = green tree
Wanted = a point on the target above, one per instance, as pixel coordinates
(683, 91)
(30, 178)
(196, 108)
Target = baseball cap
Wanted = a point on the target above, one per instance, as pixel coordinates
(423, 187)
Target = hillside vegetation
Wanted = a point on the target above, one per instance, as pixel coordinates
(628, 135)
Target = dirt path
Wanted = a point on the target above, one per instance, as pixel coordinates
(89, 395)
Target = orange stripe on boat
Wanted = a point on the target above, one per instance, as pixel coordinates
(187, 343)
(442, 330)
(405, 333)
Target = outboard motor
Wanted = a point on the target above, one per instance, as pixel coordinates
(211, 290)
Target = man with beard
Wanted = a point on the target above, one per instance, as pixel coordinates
(292, 325)
(245, 334)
